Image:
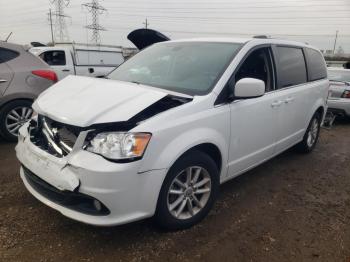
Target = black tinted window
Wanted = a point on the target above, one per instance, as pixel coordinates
(7, 55)
(257, 65)
(316, 65)
(55, 58)
(291, 66)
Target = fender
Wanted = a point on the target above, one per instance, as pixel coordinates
(162, 159)
(319, 103)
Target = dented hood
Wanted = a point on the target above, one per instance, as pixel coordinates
(83, 101)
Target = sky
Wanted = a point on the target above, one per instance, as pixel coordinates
(312, 21)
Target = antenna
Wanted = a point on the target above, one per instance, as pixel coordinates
(61, 32)
(95, 9)
(8, 37)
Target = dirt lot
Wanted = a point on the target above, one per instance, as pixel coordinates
(293, 208)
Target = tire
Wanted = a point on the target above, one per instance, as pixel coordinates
(12, 116)
(203, 168)
(311, 135)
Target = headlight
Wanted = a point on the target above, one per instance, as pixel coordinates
(119, 145)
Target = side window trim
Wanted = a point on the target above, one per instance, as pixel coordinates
(222, 97)
(274, 51)
(306, 65)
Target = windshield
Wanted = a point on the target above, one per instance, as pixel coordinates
(191, 68)
(337, 75)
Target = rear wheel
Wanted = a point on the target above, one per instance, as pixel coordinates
(311, 135)
(12, 116)
(188, 192)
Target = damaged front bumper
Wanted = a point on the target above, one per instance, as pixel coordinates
(86, 187)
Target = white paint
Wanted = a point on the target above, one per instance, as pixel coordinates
(247, 132)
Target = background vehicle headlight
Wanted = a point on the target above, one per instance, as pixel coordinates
(119, 145)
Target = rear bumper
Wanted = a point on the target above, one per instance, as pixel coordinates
(126, 194)
(339, 105)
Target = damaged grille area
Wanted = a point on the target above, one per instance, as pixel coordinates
(53, 137)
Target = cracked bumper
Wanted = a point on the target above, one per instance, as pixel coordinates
(127, 194)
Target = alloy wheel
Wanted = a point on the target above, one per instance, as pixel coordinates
(16, 118)
(312, 134)
(189, 192)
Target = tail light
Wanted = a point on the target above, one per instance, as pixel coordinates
(48, 74)
(346, 94)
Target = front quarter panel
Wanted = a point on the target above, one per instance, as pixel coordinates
(173, 137)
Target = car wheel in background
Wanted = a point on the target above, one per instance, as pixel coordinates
(12, 116)
(311, 135)
(188, 192)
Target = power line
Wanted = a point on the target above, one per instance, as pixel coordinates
(233, 5)
(233, 8)
(235, 18)
(95, 9)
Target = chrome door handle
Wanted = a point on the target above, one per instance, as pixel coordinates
(277, 103)
(3, 80)
(289, 100)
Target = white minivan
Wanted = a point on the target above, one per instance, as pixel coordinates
(168, 126)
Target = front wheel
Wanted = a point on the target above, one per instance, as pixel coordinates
(12, 116)
(311, 135)
(188, 192)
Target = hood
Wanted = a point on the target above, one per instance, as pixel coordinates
(84, 101)
(143, 38)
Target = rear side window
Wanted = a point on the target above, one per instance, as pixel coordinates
(291, 66)
(7, 55)
(54, 58)
(315, 64)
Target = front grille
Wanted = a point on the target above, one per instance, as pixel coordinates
(53, 137)
(72, 200)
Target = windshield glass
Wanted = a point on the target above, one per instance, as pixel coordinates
(335, 75)
(191, 68)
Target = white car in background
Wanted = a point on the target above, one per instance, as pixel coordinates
(339, 97)
(169, 126)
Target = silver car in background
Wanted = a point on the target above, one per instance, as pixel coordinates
(23, 77)
(339, 91)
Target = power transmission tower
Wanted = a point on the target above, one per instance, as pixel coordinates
(335, 41)
(95, 9)
(146, 23)
(61, 32)
(50, 20)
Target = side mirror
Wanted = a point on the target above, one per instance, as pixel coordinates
(249, 88)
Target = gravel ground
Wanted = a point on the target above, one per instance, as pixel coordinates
(292, 208)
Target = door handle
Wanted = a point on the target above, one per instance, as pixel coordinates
(289, 100)
(3, 80)
(65, 70)
(277, 103)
